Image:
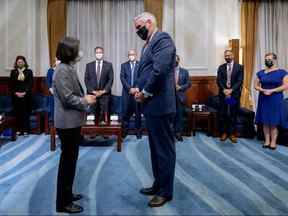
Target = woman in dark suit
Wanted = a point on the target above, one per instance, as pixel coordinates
(69, 116)
(21, 83)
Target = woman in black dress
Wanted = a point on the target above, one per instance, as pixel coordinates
(21, 83)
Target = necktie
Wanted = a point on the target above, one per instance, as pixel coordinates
(132, 73)
(98, 72)
(229, 72)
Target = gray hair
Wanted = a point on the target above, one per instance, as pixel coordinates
(146, 16)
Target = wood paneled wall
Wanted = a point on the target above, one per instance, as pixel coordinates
(201, 88)
(39, 85)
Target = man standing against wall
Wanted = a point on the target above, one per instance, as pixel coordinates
(229, 80)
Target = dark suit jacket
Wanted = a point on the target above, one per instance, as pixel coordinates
(236, 79)
(125, 77)
(21, 86)
(156, 75)
(184, 83)
(106, 79)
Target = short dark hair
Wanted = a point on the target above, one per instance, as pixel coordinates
(99, 47)
(274, 56)
(22, 58)
(67, 49)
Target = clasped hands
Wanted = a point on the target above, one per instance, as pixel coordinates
(98, 93)
(268, 91)
(178, 87)
(227, 92)
(91, 98)
(139, 96)
(20, 94)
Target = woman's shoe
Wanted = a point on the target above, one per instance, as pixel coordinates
(272, 147)
(265, 146)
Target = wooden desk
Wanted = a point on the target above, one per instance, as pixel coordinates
(8, 122)
(92, 129)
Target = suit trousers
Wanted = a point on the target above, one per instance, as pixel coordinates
(101, 107)
(228, 116)
(163, 155)
(22, 109)
(70, 140)
(178, 121)
(129, 109)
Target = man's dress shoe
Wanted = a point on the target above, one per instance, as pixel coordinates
(71, 208)
(148, 191)
(158, 201)
(76, 197)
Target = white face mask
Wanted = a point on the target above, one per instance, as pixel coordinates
(132, 58)
(99, 56)
(57, 62)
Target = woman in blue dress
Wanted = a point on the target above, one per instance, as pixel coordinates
(270, 82)
(49, 79)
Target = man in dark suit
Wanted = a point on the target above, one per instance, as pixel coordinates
(182, 84)
(156, 83)
(229, 80)
(128, 77)
(98, 80)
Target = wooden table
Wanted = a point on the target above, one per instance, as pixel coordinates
(92, 129)
(8, 122)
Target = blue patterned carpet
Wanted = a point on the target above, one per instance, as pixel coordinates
(212, 178)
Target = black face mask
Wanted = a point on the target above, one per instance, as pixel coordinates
(143, 33)
(228, 60)
(269, 63)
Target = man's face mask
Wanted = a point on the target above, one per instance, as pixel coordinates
(143, 32)
(228, 60)
(132, 57)
(99, 56)
(177, 63)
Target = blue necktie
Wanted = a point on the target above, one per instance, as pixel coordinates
(132, 73)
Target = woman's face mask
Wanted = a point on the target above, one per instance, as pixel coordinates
(269, 63)
(20, 64)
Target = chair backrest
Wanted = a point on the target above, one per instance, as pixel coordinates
(115, 105)
(6, 104)
(39, 103)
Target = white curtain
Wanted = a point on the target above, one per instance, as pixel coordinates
(272, 36)
(201, 30)
(106, 23)
(23, 31)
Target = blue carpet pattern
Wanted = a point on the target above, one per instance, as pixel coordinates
(212, 178)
